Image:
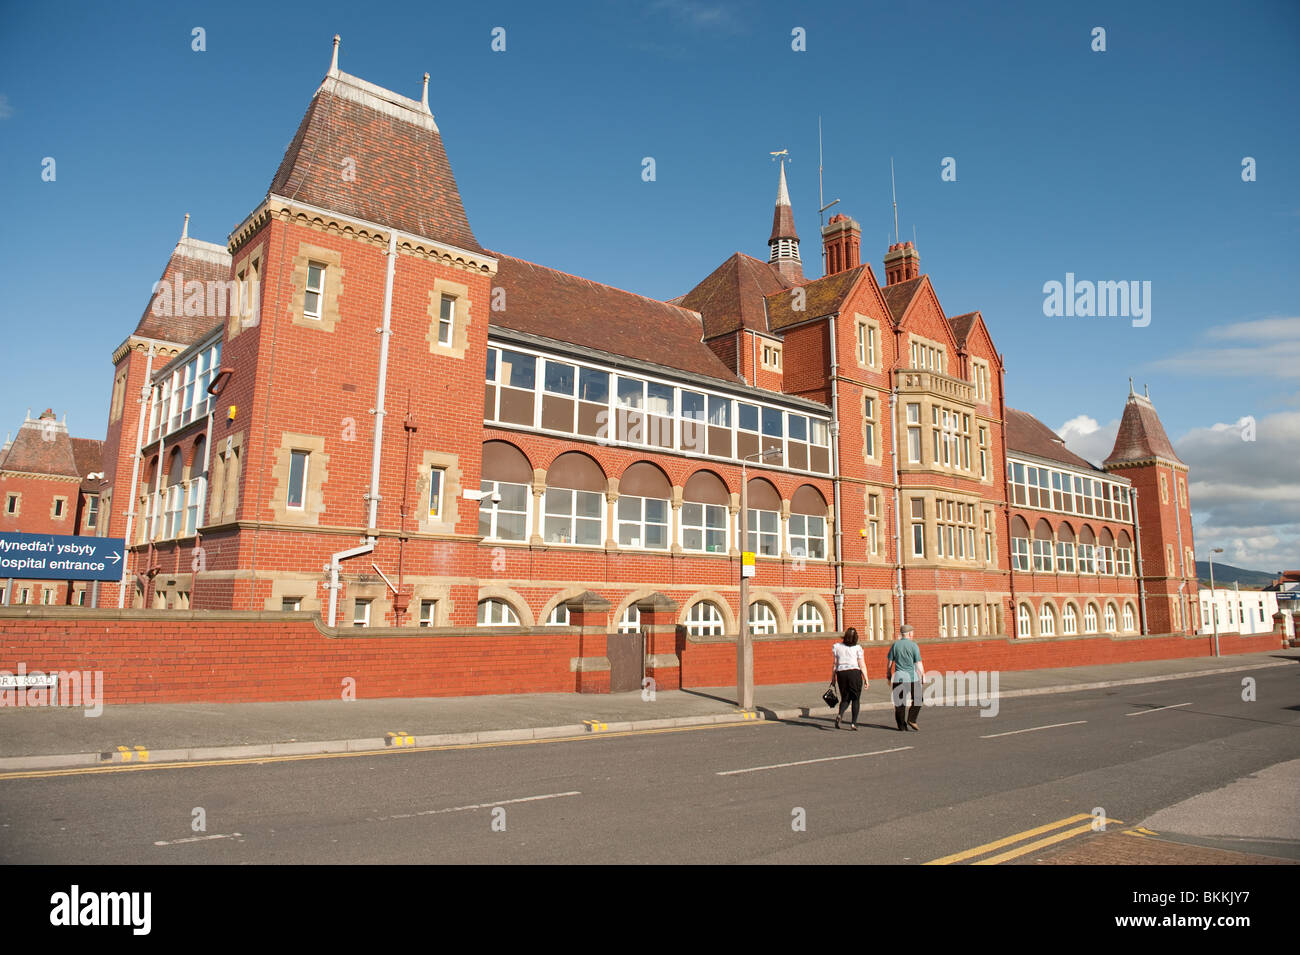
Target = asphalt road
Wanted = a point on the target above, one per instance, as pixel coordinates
(699, 795)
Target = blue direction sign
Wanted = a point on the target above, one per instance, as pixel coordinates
(60, 557)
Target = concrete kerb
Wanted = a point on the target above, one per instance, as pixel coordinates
(380, 745)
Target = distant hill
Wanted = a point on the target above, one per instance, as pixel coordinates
(1225, 575)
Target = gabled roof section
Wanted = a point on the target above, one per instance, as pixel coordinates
(164, 318)
(1028, 435)
(42, 446)
(900, 295)
(1141, 436)
(566, 308)
(403, 178)
(824, 296)
(961, 327)
(732, 296)
(88, 454)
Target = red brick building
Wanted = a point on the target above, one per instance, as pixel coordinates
(49, 484)
(355, 408)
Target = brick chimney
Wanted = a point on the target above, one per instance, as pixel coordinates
(841, 243)
(902, 262)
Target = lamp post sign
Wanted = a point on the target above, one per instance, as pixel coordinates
(60, 557)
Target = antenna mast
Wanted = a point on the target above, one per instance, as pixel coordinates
(894, 190)
(821, 198)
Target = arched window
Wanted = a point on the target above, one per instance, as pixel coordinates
(808, 618)
(1025, 619)
(808, 523)
(559, 617)
(1019, 544)
(574, 502)
(630, 622)
(762, 619)
(1123, 555)
(1090, 619)
(503, 513)
(1110, 619)
(1043, 547)
(1046, 621)
(704, 513)
(1065, 549)
(197, 486)
(763, 522)
(705, 620)
(1069, 621)
(496, 613)
(642, 510)
(1129, 624)
(175, 494)
(1087, 551)
(1105, 552)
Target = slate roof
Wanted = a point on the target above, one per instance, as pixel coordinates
(899, 295)
(961, 326)
(567, 308)
(191, 260)
(403, 178)
(733, 294)
(35, 451)
(823, 296)
(1141, 436)
(1028, 435)
(88, 454)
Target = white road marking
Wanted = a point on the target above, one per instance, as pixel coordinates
(481, 805)
(1173, 706)
(177, 842)
(805, 762)
(1031, 729)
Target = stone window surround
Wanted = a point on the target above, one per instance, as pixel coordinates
(62, 513)
(17, 498)
(223, 481)
(331, 294)
(381, 603)
(461, 312)
(861, 322)
(252, 258)
(452, 483)
(317, 474)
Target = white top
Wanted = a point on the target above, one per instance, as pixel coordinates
(848, 658)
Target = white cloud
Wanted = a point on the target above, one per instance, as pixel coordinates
(1088, 439)
(1270, 348)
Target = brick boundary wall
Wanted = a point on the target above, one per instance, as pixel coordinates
(224, 657)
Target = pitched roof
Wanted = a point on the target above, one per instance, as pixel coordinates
(556, 305)
(164, 317)
(1028, 435)
(1141, 436)
(41, 446)
(403, 178)
(733, 294)
(961, 326)
(823, 296)
(899, 295)
(88, 454)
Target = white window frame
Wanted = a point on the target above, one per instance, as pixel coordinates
(437, 479)
(494, 510)
(640, 524)
(705, 619)
(1090, 618)
(318, 291)
(302, 482)
(1130, 624)
(552, 511)
(763, 541)
(630, 621)
(1046, 621)
(447, 321)
(361, 611)
(808, 618)
(704, 527)
(428, 612)
(762, 617)
(490, 608)
(802, 536)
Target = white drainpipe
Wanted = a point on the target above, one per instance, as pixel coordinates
(385, 333)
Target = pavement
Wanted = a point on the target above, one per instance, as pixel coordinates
(43, 738)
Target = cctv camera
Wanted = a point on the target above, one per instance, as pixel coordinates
(496, 497)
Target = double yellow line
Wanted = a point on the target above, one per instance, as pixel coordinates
(1069, 832)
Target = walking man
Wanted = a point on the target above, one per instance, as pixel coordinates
(905, 674)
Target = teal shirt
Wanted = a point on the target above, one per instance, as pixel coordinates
(905, 655)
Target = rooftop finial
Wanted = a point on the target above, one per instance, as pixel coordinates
(185, 229)
(1146, 392)
(424, 96)
(334, 60)
(1130, 386)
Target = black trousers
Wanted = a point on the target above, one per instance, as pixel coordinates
(850, 684)
(906, 714)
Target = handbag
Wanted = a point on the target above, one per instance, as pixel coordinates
(830, 698)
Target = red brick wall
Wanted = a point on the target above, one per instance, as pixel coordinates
(172, 657)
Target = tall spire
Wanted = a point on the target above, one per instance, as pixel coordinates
(783, 244)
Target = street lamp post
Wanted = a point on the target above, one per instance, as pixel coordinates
(745, 643)
(1214, 600)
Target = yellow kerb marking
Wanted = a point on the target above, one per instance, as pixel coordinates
(990, 846)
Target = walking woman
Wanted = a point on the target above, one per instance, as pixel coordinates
(850, 673)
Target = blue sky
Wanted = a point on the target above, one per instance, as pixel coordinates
(1116, 165)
